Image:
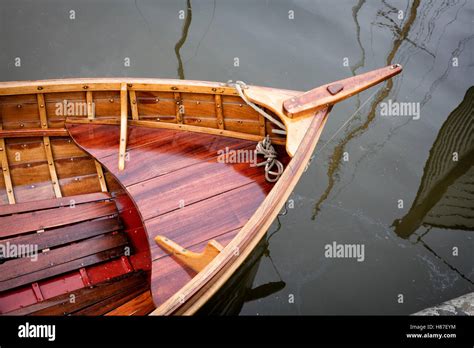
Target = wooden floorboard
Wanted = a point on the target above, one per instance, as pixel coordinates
(180, 188)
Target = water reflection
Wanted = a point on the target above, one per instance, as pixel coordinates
(336, 157)
(182, 40)
(445, 197)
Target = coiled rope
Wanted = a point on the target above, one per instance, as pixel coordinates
(266, 149)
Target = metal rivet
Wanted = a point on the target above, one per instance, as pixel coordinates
(157, 100)
(174, 88)
(42, 106)
(22, 125)
(134, 101)
(40, 88)
(85, 87)
(19, 106)
(111, 100)
(129, 85)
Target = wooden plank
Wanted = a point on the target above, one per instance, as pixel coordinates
(123, 126)
(169, 150)
(38, 220)
(46, 261)
(61, 305)
(163, 194)
(39, 132)
(219, 113)
(109, 303)
(134, 105)
(6, 172)
(90, 105)
(140, 305)
(52, 203)
(68, 234)
(193, 224)
(100, 174)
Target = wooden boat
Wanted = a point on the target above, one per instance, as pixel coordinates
(117, 197)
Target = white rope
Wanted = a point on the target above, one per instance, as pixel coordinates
(238, 85)
(266, 149)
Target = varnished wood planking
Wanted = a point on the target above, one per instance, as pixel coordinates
(163, 194)
(12, 225)
(140, 305)
(166, 165)
(52, 203)
(193, 224)
(86, 297)
(158, 151)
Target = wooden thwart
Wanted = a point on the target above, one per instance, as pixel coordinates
(195, 261)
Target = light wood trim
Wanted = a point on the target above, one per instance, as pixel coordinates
(219, 113)
(177, 103)
(33, 132)
(195, 261)
(6, 171)
(90, 106)
(52, 167)
(134, 104)
(123, 125)
(207, 282)
(173, 126)
(42, 110)
(47, 145)
(113, 84)
(100, 175)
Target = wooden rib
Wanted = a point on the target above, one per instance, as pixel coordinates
(178, 103)
(100, 174)
(47, 146)
(195, 261)
(184, 127)
(90, 108)
(52, 167)
(261, 121)
(33, 132)
(6, 171)
(123, 125)
(219, 115)
(134, 104)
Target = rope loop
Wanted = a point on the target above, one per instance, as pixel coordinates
(266, 149)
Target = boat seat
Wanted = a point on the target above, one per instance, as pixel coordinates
(60, 235)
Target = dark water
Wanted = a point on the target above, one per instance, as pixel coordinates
(408, 250)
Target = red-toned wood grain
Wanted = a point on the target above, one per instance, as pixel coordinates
(180, 188)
